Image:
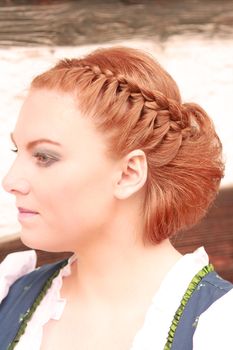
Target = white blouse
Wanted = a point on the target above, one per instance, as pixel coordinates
(214, 327)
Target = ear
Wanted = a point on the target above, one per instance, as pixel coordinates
(132, 175)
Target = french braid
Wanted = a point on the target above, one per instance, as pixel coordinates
(179, 140)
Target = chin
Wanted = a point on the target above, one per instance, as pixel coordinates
(35, 241)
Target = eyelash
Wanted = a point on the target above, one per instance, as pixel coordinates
(14, 150)
(46, 160)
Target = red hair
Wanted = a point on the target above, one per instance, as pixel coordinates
(137, 104)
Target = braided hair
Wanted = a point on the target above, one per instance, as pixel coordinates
(137, 105)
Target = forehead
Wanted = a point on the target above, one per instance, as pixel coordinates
(54, 115)
(48, 108)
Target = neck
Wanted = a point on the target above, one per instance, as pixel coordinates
(116, 265)
(112, 272)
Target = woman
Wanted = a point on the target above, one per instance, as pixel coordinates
(110, 163)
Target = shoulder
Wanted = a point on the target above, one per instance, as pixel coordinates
(14, 266)
(215, 325)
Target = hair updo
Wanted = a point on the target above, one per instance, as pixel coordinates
(137, 105)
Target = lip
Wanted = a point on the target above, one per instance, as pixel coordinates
(26, 214)
(26, 211)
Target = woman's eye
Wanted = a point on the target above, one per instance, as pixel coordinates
(43, 159)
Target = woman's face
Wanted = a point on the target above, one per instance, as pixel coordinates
(60, 172)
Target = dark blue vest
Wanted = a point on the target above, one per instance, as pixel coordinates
(21, 301)
(207, 288)
(27, 292)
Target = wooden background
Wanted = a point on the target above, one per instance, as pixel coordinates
(48, 22)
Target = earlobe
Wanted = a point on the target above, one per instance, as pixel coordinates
(133, 174)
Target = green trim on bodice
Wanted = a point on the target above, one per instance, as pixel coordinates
(187, 295)
(25, 318)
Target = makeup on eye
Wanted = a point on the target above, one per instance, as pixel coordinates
(45, 157)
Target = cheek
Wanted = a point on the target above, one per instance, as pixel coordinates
(90, 200)
(73, 210)
(82, 204)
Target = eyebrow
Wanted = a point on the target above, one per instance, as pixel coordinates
(33, 143)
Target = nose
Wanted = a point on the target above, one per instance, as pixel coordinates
(15, 183)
